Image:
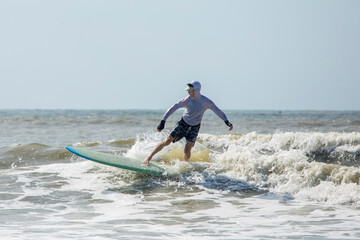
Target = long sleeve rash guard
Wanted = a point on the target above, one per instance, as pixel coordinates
(195, 109)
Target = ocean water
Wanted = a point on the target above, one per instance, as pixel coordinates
(277, 175)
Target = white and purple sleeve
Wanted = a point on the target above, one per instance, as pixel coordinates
(217, 110)
(173, 108)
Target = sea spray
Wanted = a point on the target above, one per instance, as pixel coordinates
(145, 143)
(281, 163)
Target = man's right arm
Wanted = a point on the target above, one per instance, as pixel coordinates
(171, 110)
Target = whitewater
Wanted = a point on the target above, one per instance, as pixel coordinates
(277, 175)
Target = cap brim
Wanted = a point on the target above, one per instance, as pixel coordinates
(188, 88)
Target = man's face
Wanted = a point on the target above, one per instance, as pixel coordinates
(192, 93)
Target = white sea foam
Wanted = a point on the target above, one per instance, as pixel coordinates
(281, 163)
(302, 183)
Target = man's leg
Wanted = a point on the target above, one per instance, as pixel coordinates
(187, 150)
(158, 148)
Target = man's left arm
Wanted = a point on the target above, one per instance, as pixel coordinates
(220, 114)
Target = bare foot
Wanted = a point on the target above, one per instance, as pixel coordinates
(146, 161)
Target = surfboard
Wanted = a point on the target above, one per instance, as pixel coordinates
(133, 164)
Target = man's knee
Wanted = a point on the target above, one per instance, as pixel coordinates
(168, 140)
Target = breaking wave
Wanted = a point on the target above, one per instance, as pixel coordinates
(309, 165)
(314, 166)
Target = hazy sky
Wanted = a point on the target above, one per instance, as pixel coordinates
(114, 54)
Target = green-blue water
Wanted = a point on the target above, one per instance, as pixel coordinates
(277, 175)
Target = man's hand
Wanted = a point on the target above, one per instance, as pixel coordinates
(161, 126)
(229, 125)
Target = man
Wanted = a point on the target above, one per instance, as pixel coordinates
(195, 106)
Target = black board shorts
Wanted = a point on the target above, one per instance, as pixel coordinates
(183, 129)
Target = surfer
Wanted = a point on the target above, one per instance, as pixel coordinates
(195, 106)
